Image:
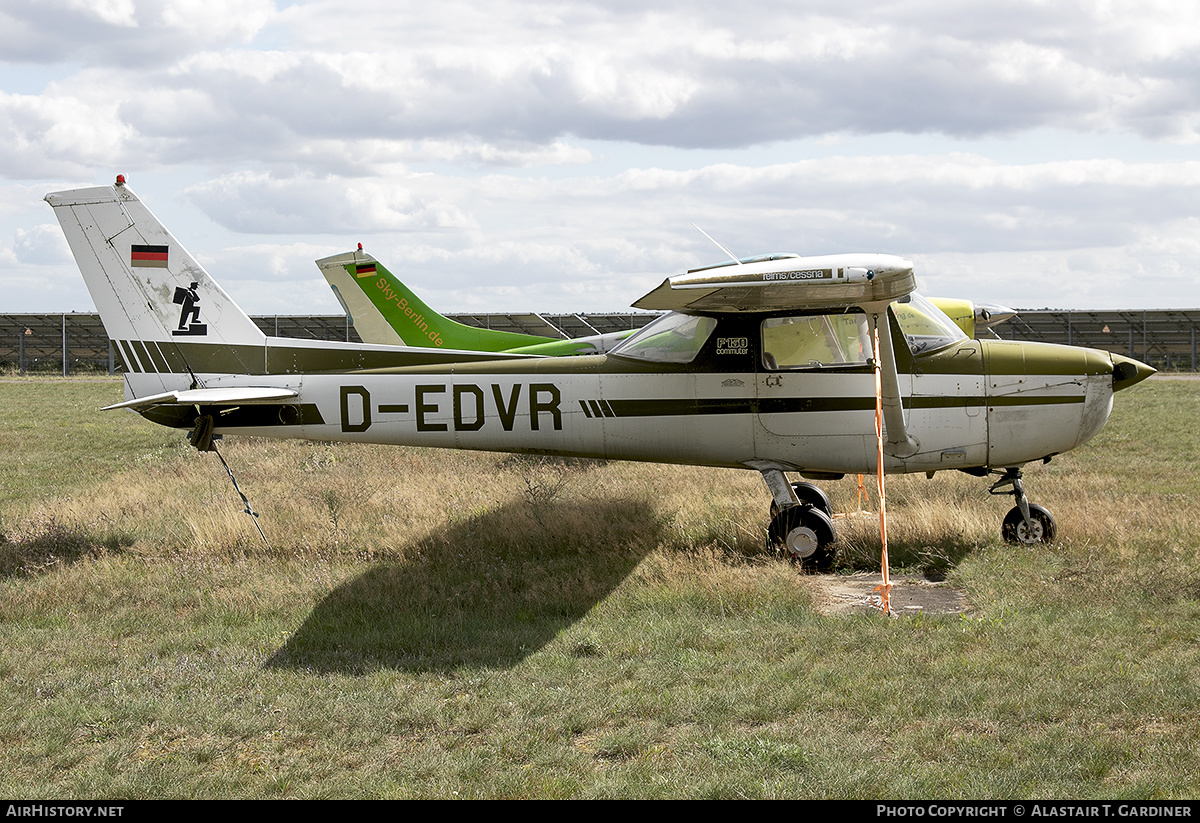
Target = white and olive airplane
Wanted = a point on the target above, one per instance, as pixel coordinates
(767, 366)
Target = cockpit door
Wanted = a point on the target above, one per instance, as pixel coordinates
(816, 390)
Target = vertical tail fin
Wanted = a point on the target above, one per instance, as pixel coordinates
(342, 273)
(160, 307)
(384, 310)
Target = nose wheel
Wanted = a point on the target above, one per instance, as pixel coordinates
(1040, 528)
(1026, 524)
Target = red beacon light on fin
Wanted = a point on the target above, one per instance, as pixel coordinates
(120, 180)
(360, 246)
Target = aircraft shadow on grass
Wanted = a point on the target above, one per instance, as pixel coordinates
(486, 591)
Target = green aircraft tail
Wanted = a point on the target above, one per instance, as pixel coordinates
(384, 310)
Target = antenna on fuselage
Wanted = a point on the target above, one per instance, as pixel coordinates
(732, 256)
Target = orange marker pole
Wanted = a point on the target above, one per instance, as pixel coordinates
(885, 589)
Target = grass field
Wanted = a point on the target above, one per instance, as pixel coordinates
(424, 623)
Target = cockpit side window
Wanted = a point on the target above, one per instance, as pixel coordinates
(673, 338)
(813, 341)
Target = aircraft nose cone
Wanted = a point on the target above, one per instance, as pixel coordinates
(1128, 372)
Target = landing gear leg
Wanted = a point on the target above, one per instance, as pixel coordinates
(799, 529)
(1026, 523)
(783, 496)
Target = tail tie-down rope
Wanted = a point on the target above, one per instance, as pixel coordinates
(245, 501)
(203, 440)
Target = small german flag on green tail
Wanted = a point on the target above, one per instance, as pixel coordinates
(154, 257)
(364, 270)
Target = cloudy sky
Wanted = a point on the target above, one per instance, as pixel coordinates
(553, 156)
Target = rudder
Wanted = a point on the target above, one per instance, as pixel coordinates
(163, 311)
(145, 284)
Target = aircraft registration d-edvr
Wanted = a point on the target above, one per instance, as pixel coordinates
(768, 366)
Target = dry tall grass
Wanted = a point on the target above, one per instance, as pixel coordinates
(322, 498)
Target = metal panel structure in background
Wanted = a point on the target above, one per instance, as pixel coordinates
(70, 343)
(1163, 338)
(309, 327)
(62, 343)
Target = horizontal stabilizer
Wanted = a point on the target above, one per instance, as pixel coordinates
(233, 396)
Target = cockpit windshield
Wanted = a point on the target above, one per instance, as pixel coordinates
(926, 328)
(672, 338)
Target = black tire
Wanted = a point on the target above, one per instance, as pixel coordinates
(806, 535)
(810, 494)
(1015, 531)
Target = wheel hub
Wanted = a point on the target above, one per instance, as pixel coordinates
(1030, 533)
(802, 542)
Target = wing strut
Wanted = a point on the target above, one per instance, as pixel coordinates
(899, 442)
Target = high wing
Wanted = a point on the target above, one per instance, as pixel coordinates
(826, 281)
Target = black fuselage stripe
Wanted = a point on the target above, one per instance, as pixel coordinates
(794, 405)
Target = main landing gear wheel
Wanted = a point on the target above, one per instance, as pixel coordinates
(805, 534)
(1040, 529)
(808, 494)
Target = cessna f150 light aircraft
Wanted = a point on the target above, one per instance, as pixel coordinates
(384, 310)
(767, 366)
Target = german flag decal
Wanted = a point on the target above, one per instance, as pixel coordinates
(148, 256)
(364, 270)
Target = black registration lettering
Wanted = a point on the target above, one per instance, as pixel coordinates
(423, 408)
(364, 410)
(461, 423)
(508, 413)
(537, 406)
